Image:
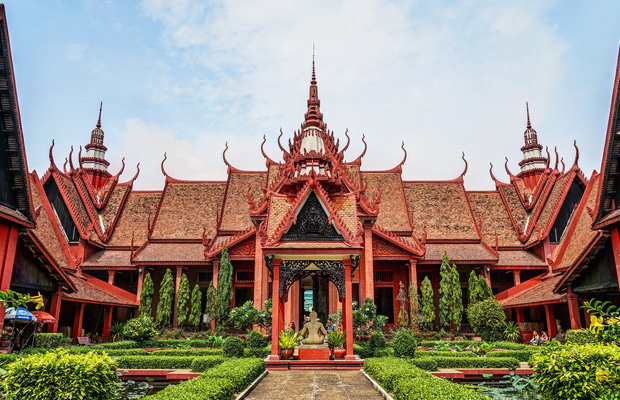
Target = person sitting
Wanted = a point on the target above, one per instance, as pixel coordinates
(291, 326)
(544, 338)
(331, 327)
(535, 339)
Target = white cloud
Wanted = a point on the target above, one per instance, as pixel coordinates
(75, 51)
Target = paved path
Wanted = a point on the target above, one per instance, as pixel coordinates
(314, 385)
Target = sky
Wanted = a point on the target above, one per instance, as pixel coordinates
(184, 77)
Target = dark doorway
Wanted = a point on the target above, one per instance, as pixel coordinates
(313, 294)
(384, 300)
(243, 294)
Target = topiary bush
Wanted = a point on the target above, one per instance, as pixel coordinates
(233, 347)
(376, 342)
(574, 371)
(255, 340)
(404, 343)
(580, 336)
(48, 340)
(140, 328)
(487, 316)
(57, 375)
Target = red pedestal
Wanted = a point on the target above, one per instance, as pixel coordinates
(313, 354)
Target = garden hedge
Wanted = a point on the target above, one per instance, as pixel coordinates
(164, 362)
(87, 349)
(474, 362)
(173, 343)
(521, 355)
(218, 383)
(188, 352)
(407, 382)
(48, 340)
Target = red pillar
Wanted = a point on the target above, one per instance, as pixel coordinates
(413, 282)
(177, 283)
(111, 275)
(573, 308)
(520, 315)
(486, 271)
(258, 274)
(349, 309)
(55, 309)
(8, 244)
(369, 276)
(77, 322)
(550, 313)
(516, 274)
(615, 242)
(141, 273)
(216, 269)
(275, 315)
(107, 323)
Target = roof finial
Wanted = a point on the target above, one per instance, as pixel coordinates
(527, 108)
(99, 120)
(313, 74)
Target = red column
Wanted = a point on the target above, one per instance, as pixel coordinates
(275, 315)
(8, 244)
(216, 269)
(549, 311)
(573, 308)
(369, 276)
(55, 309)
(258, 274)
(111, 275)
(516, 274)
(520, 315)
(615, 242)
(486, 271)
(349, 309)
(413, 282)
(176, 296)
(141, 273)
(77, 322)
(107, 323)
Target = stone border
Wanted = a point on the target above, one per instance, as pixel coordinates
(385, 395)
(247, 390)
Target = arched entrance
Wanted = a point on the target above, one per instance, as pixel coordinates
(337, 270)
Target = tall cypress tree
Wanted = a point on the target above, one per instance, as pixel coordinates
(146, 297)
(183, 301)
(224, 292)
(445, 293)
(485, 290)
(166, 298)
(210, 302)
(474, 287)
(457, 299)
(427, 305)
(194, 317)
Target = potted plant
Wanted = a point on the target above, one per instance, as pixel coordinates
(6, 336)
(287, 340)
(336, 339)
(512, 332)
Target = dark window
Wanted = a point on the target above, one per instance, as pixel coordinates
(62, 212)
(384, 300)
(244, 275)
(575, 193)
(243, 294)
(384, 276)
(205, 276)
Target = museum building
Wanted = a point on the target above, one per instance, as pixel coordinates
(310, 230)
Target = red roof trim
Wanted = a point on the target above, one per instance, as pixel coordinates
(51, 260)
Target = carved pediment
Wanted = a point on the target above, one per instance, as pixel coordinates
(312, 223)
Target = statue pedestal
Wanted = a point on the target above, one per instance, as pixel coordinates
(313, 352)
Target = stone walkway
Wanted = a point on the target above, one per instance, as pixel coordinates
(314, 385)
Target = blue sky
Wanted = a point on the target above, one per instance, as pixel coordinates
(184, 77)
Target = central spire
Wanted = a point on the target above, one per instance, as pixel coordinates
(313, 117)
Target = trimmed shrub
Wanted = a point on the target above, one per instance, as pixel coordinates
(48, 340)
(476, 362)
(404, 343)
(189, 352)
(219, 383)
(425, 363)
(577, 371)
(257, 353)
(580, 336)
(386, 371)
(6, 359)
(487, 316)
(362, 350)
(255, 340)
(233, 347)
(58, 375)
(377, 342)
(124, 344)
(201, 364)
(174, 343)
(140, 328)
(167, 362)
(387, 352)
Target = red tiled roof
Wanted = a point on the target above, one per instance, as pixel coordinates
(89, 292)
(489, 207)
(75, 204)
(442, 208)
(344, 206)
(9, 213)
(458, 253)
(520, 258)
(540, 293)
(235, 216)
(134, 218)
(113, 206)
(279, 206)
(554, 200)
(393, 207)
(515, 206)
(109, 258)
(171, 252)
(187, 208)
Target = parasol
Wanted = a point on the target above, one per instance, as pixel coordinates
(44, 317)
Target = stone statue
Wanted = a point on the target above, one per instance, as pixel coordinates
(316, 330)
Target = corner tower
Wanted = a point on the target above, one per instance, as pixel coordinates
(533, 163)
(95, 164)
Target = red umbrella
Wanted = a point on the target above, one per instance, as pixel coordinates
(44, 317)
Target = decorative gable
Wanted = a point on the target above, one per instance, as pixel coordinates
(312, 223)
